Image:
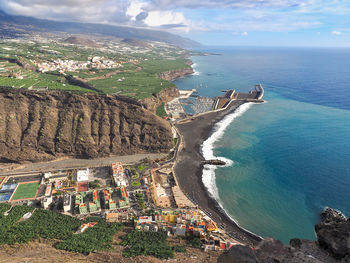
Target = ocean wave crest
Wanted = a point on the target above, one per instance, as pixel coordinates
(208, 176)
(195, 72)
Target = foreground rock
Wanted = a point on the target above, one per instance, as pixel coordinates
(332, 245)
(333, 233)
(41, 126)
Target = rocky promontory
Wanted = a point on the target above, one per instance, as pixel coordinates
(332, 245)
(42, 126)
(174, 74)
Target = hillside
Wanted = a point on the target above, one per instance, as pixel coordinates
(40, 126)
(135, 42)
(81, 41)
(15, 26)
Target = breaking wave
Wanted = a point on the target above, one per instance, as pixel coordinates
(195, 72)
(208, 176)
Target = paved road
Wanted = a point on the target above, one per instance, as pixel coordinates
(78, 163)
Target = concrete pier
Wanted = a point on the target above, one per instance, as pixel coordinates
(255, 95)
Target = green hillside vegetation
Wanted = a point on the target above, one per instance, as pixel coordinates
(51, 225)
(160, 111)
(98, 237)
(138, 85)
(7, 222)
(43, 223)
(154, 66)
(3, 208)
(147, 243)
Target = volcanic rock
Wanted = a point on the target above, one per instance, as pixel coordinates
(332, 245)
(333, 233)
(41, 126)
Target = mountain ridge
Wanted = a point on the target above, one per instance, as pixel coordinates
(12, 25)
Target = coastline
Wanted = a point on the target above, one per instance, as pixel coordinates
(189, 169)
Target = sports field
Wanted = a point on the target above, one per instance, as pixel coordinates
(25, 190)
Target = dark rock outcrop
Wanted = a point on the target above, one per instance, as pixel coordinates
(333, 233)
(41, 126)
(238, 254)
(332, 245)
(214, 162)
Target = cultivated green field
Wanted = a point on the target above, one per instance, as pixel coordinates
(137, 77)
(50, 225)
(27, 190)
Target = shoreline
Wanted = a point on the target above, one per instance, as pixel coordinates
(189, 170)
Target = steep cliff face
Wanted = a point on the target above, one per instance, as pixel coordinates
(165, 96)
(45, 125)
(168, 94)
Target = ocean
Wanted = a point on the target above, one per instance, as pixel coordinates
(288, 158)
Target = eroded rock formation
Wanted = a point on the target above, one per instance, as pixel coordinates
(40, 126)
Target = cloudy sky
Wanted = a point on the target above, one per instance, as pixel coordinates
(211, 22)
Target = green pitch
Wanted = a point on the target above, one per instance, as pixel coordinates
(25, 191)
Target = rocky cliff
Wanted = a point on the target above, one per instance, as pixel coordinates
(174, 74)
(332, 245)
(168, 94)
(165, 96)
(41, 126)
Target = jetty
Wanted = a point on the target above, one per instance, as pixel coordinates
(255, 95)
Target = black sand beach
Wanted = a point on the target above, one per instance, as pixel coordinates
(189, 169)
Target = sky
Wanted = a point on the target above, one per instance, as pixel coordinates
(210, 22)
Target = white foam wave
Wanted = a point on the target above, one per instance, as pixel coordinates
(208, 177)
(195, 72)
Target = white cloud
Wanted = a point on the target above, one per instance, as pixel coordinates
(94, 11)
(163, 18)
(193, 4)
(336, 33)
(240, 16)
(135, 8)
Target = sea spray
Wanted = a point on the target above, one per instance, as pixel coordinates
(208, 177)
(195, 72)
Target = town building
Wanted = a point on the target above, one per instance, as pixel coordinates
(67, 202)
(118, 174)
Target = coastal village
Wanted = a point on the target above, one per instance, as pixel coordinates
(145, 195)
(72, 66)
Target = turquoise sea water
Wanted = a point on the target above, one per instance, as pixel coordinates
(291, 154)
